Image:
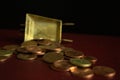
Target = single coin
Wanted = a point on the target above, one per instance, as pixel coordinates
(61, 65)
(43, 41)
(28, 43)
(73, 54)
(26, 56)
(80, 62)
(68, 49)
(30, 47)
(21, 50)
(53, 47)
(6, 52)
(82, 72)
(52, 57)
(3, 58)
(91, 58)
(38, 51)
(104, 71)
(10, 47)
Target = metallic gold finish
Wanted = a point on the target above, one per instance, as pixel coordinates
(83, 73)
(6, 53)
(51, 57)
(104, 71)
(39, 27)
(80, 62)
(3, 58)
(61, 65)
(26, 56)
(91, 58)
(74, 54)
(10, 47)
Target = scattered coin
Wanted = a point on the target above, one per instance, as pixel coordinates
(52, 57)
(74, 54)
(26, 56)
(80, 62)
(104, 71)
(3, 58)
(6, 52)
(10, 47)
(82, 72)
(61, 65)
(62, 58)
(91, 58)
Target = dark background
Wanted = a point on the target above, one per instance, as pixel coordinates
(88, 18)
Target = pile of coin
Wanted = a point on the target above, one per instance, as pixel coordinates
(59, 57)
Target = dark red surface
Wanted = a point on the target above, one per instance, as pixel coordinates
(105, 48)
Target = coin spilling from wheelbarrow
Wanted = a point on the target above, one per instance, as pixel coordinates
(28, 43)
(52, 57)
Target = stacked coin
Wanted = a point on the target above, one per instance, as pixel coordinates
(24, 53)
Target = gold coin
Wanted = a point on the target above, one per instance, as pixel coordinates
(3, 58)
(6, 52)
(61, 65)
(80, 62)
(67, 49)
(52, 57)
(28, 43)
(52, 48)
(43, 41)
(10, 47)
(82, 72)
(30, 47)
(26, 56)
(104, 71)
(38, 51)
(21, 50)
(91, 59)
(73, 54)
